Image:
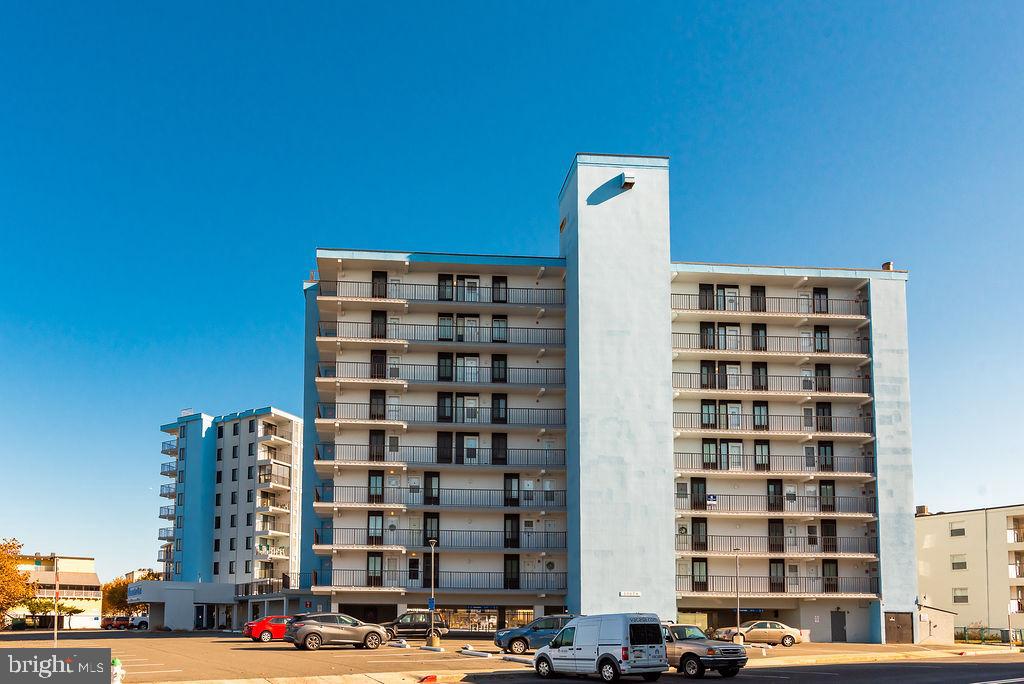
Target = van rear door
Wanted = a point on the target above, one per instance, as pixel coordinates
(646, 644)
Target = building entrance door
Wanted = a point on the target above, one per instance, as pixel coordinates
(839, 626)
(899, 628)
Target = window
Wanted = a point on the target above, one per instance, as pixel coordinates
(234, 520)
(566, 636)
(220, 431)
(234, 474)
(234, 451)
(216, 522)
(252, 425)
(181, 475)
(248, 519)
(248, 543)
(179, 522)
(216, 568)
(220, 454)
(248, 566)
(220, 476)
(959, 594)
(181, 454)
(248, 496)
(231, 564)
(499, 289)
(231, 544)
(645, 634)
(234, 431)
(177, 544)
(234, 498)
(216, 545)
(180, 499)
(958, 561)
(499, 329)
(251, 447)
(956, 529)
(183, 432)
(250, 472)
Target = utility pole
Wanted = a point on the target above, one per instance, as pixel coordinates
(432, 639)
(56, 597)
(738, 638)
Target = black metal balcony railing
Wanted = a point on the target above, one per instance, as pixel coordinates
(750, 586)
(772, 305)
(450, 579)
(169, 447)
(770, 544)
(412, 372)
(445, 539)
(775, 463)
(455, 498)
(433, 455)
(169, 468)
(273, 478)
(410, 413)
(163, 556)
(273, 585)
(165, 533)
(167, 489)
(167, 511)
(271, 430)
(416, 332)
(475, 294)
(767, 422)
(776, 503)
(265, 524)
(770, 383)
(771, 343)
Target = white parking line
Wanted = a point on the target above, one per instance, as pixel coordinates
(142, 672)
(1001, 681)
(833, 674)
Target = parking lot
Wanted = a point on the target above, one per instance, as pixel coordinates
(160, 656)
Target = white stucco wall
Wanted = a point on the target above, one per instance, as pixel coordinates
(619, 394)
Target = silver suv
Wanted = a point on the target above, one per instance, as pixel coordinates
(692, 653)
(310, 632)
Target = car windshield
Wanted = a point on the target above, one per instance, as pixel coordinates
(688, 632)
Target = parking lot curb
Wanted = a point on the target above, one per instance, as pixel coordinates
(522, 660)
(843, 658)
(398, 644)
(436, 649)
(471, 652)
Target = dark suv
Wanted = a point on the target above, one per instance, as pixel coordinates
(415, 623)
(310, 632)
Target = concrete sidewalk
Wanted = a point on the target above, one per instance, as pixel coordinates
(865, 653)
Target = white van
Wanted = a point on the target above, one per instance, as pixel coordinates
(607, 645)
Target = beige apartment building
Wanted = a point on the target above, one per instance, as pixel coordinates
(75, 581)
(972, 562)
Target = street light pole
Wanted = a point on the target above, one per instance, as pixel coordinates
(56, 596)
(738, 639)
(432, 639)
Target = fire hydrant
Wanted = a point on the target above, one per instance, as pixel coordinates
(116, 671)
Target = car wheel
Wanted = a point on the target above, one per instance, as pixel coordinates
(143, 625)
(543, 668)
(651, 676)
(391, 634)
(691, 667)
(266, 636)
(788, 640)
(433, 632)
(311, 642)
(729, 672)
(518, 646)
(608, 671)
(372, 641)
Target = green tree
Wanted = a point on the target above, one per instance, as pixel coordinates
(15, 587)
(44, 606)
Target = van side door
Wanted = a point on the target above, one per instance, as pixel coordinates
(586, 649)
(562, 651)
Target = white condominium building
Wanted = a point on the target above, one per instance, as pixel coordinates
(608, 430)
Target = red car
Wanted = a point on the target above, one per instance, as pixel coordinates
(267, 628)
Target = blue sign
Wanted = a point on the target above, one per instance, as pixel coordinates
(430, 603)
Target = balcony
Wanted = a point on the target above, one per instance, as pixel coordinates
(272, 481)
(438, 336)
(169, 469)
(274, 585)
(339, 496)
(1016, 571)
(727, 305)
(789, 547)
(169, 447)
(778, 505)
(164, 556)
(274, 434)
(770, 386)
(270, 527)
(756, 347)
(167, 490)
(447, 540)
(167, 512)
(801, 427)
(1015, 536)
(445, 581)
(271, 552)
(402, 414)
(165, 534)
(809, 587)
(779, 464)
(71, 593)
(363, 374)
(427, 455)
(449, 295)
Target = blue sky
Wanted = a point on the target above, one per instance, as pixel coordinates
(167, 170)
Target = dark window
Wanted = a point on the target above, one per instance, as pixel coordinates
(234, 498)
(219, 476)
(216, 545)
(220, 454)
(216, 499)
(499, 448)
(445, 327)
(707, 335)
(220, 431)
(234, 451)
(445, 402)
(759, 337)
(820, 300)
(821, 338)
(445, 367)
(706, 296)
(445, 286)
(216, 568)
(252, 425)
(216, 522)
(444, 447)
(499, 368)
(760, 415)
(499, 408)
(379, 284)
(759, 377)
(234, 474)
(499, 329)
(499, 289)
(234, 428)
(645, 634)
(250, 472)
(233, 520)
(758, 301)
